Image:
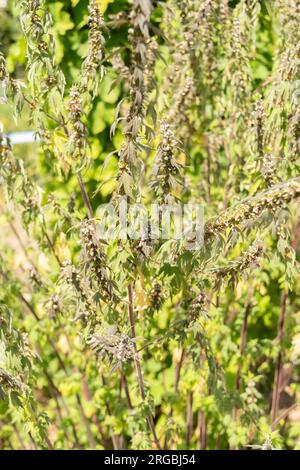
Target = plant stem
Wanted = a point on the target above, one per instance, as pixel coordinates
(176, 384)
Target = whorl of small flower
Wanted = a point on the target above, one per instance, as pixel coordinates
(165, 170)
(120, 67)
(11, 168)
(156, 297)
(96, 259)
(294, 134)
(54, 307)
(269, 200)
(289, 15)
(77, 142)
(133, 123)
(117, 347)
(258, 126)
(185, 97)
(187, 45)
(34, 276)
(12, 89)
(197, 308)
(240, 69)
(92, 64)
(249, 260)
(31, 207)
(10, 382)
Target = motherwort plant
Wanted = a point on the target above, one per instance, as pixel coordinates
(150, 342)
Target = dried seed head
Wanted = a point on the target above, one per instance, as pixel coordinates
(156, 297)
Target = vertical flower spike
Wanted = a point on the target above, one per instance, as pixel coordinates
(92, 70)
(166, 170)
(96, 260)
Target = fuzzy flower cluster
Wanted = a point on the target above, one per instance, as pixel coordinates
(77, 137)
(138, 36)
(240, 48)
(197, 308)
(92, 64)
(121, 68)
(156, 297)
(9, 382)
(294, 134)
(289, 15)
(72, 276)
